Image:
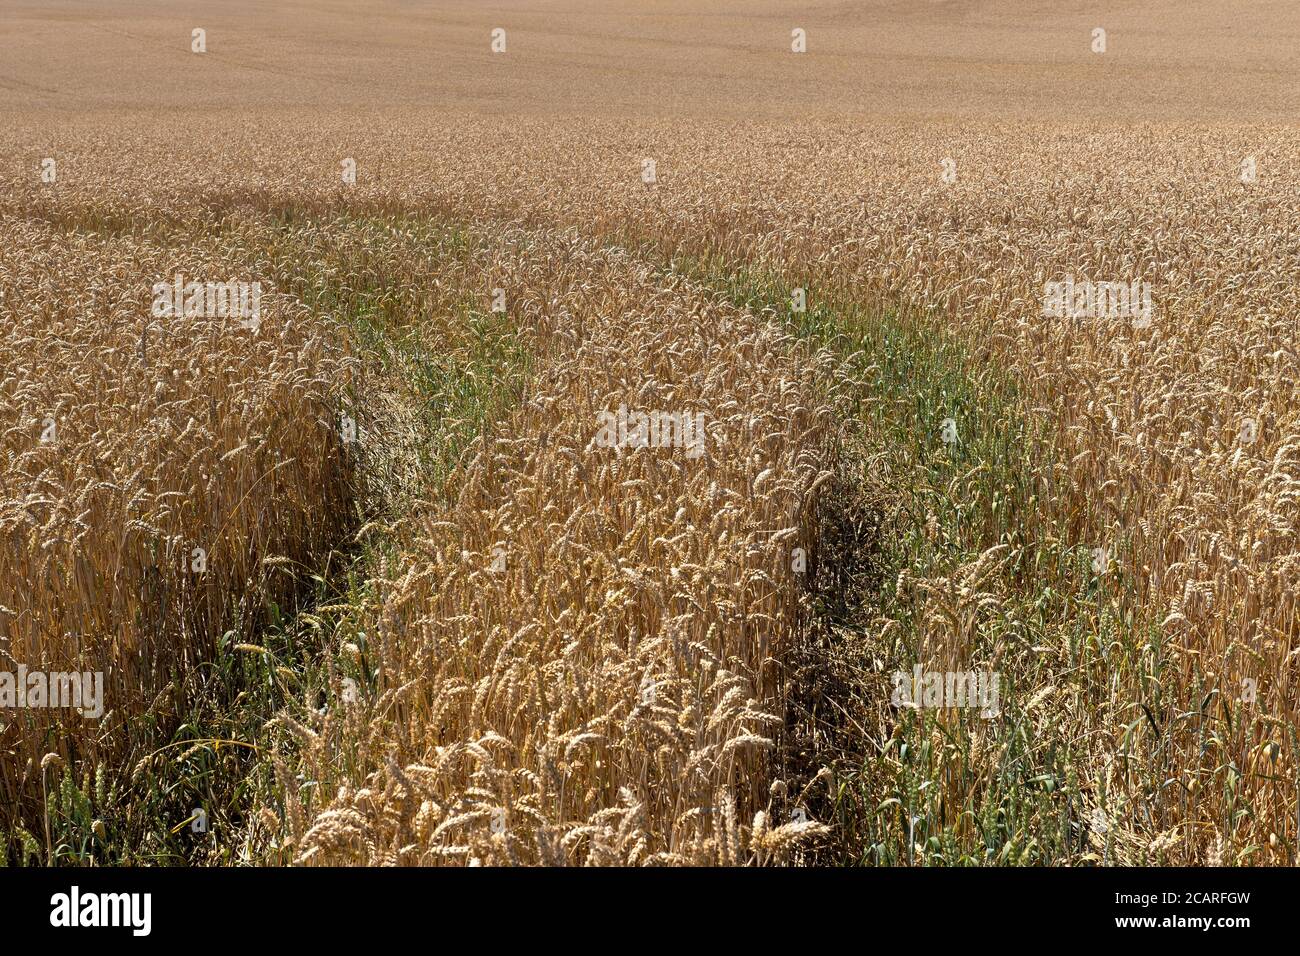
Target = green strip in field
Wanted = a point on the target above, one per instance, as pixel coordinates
(934, 546)
(435, 367)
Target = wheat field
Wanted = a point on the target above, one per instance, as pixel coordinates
(633, 398)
